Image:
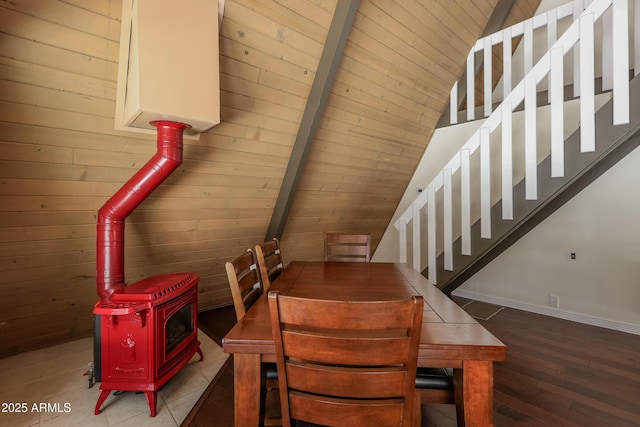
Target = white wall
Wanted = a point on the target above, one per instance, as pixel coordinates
(601, 286)
(444, 144)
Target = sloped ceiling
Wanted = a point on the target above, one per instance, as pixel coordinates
(62, 158)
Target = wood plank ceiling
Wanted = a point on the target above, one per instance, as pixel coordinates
(61, 159)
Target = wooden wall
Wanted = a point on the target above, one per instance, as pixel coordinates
(399, 64)
(61, 159)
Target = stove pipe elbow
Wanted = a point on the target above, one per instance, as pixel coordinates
(111, 217)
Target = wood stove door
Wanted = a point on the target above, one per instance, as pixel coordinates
(176, 329)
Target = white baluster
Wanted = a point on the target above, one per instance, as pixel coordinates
(431, 229)
(620, 62)
(577, 10)
(506, 62)
(587, 89)
(485, 183)
(528, 46)
(471, 88)
(488, 83)
(402, 234)
(465, 201)
(453, 104)
(448, 220)
(507, 162)
(552, 35)
(530, 139)
(607, 50)
(417, 236)
(556, 90)
(552, 27)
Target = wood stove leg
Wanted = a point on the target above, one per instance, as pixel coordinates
(103, 396)
(152, 398)
(199, 352)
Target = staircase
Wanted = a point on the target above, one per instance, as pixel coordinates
(498, 186)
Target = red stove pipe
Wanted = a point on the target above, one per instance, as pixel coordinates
(110, 241)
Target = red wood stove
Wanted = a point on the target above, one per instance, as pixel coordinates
(149, 332)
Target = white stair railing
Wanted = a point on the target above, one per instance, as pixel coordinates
(579, 40)
(548, 21)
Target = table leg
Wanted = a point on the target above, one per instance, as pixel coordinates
(246, 389)
(477, 390)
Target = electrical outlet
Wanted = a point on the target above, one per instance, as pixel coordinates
(554, 301)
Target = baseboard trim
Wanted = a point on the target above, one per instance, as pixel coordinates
(548, 311)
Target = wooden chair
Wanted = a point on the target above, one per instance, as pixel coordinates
(349, 363)
(347, 247)
(244, 281)
(270, 261)
(246, 288)
(433, 385)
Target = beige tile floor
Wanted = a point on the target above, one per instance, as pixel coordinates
(54, 377)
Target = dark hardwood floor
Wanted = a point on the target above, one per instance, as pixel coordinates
(558, 373)
(215, 407)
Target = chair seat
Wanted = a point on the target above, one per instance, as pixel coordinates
(246, 287)
(271, 370)
(434, 378)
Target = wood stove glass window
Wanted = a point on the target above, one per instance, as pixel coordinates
(179, 327)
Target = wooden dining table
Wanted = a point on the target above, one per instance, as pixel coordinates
(450, 337)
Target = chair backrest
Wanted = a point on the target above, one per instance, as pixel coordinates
(347, 247)
(346, 362)
(270, 261)
(244, 281)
